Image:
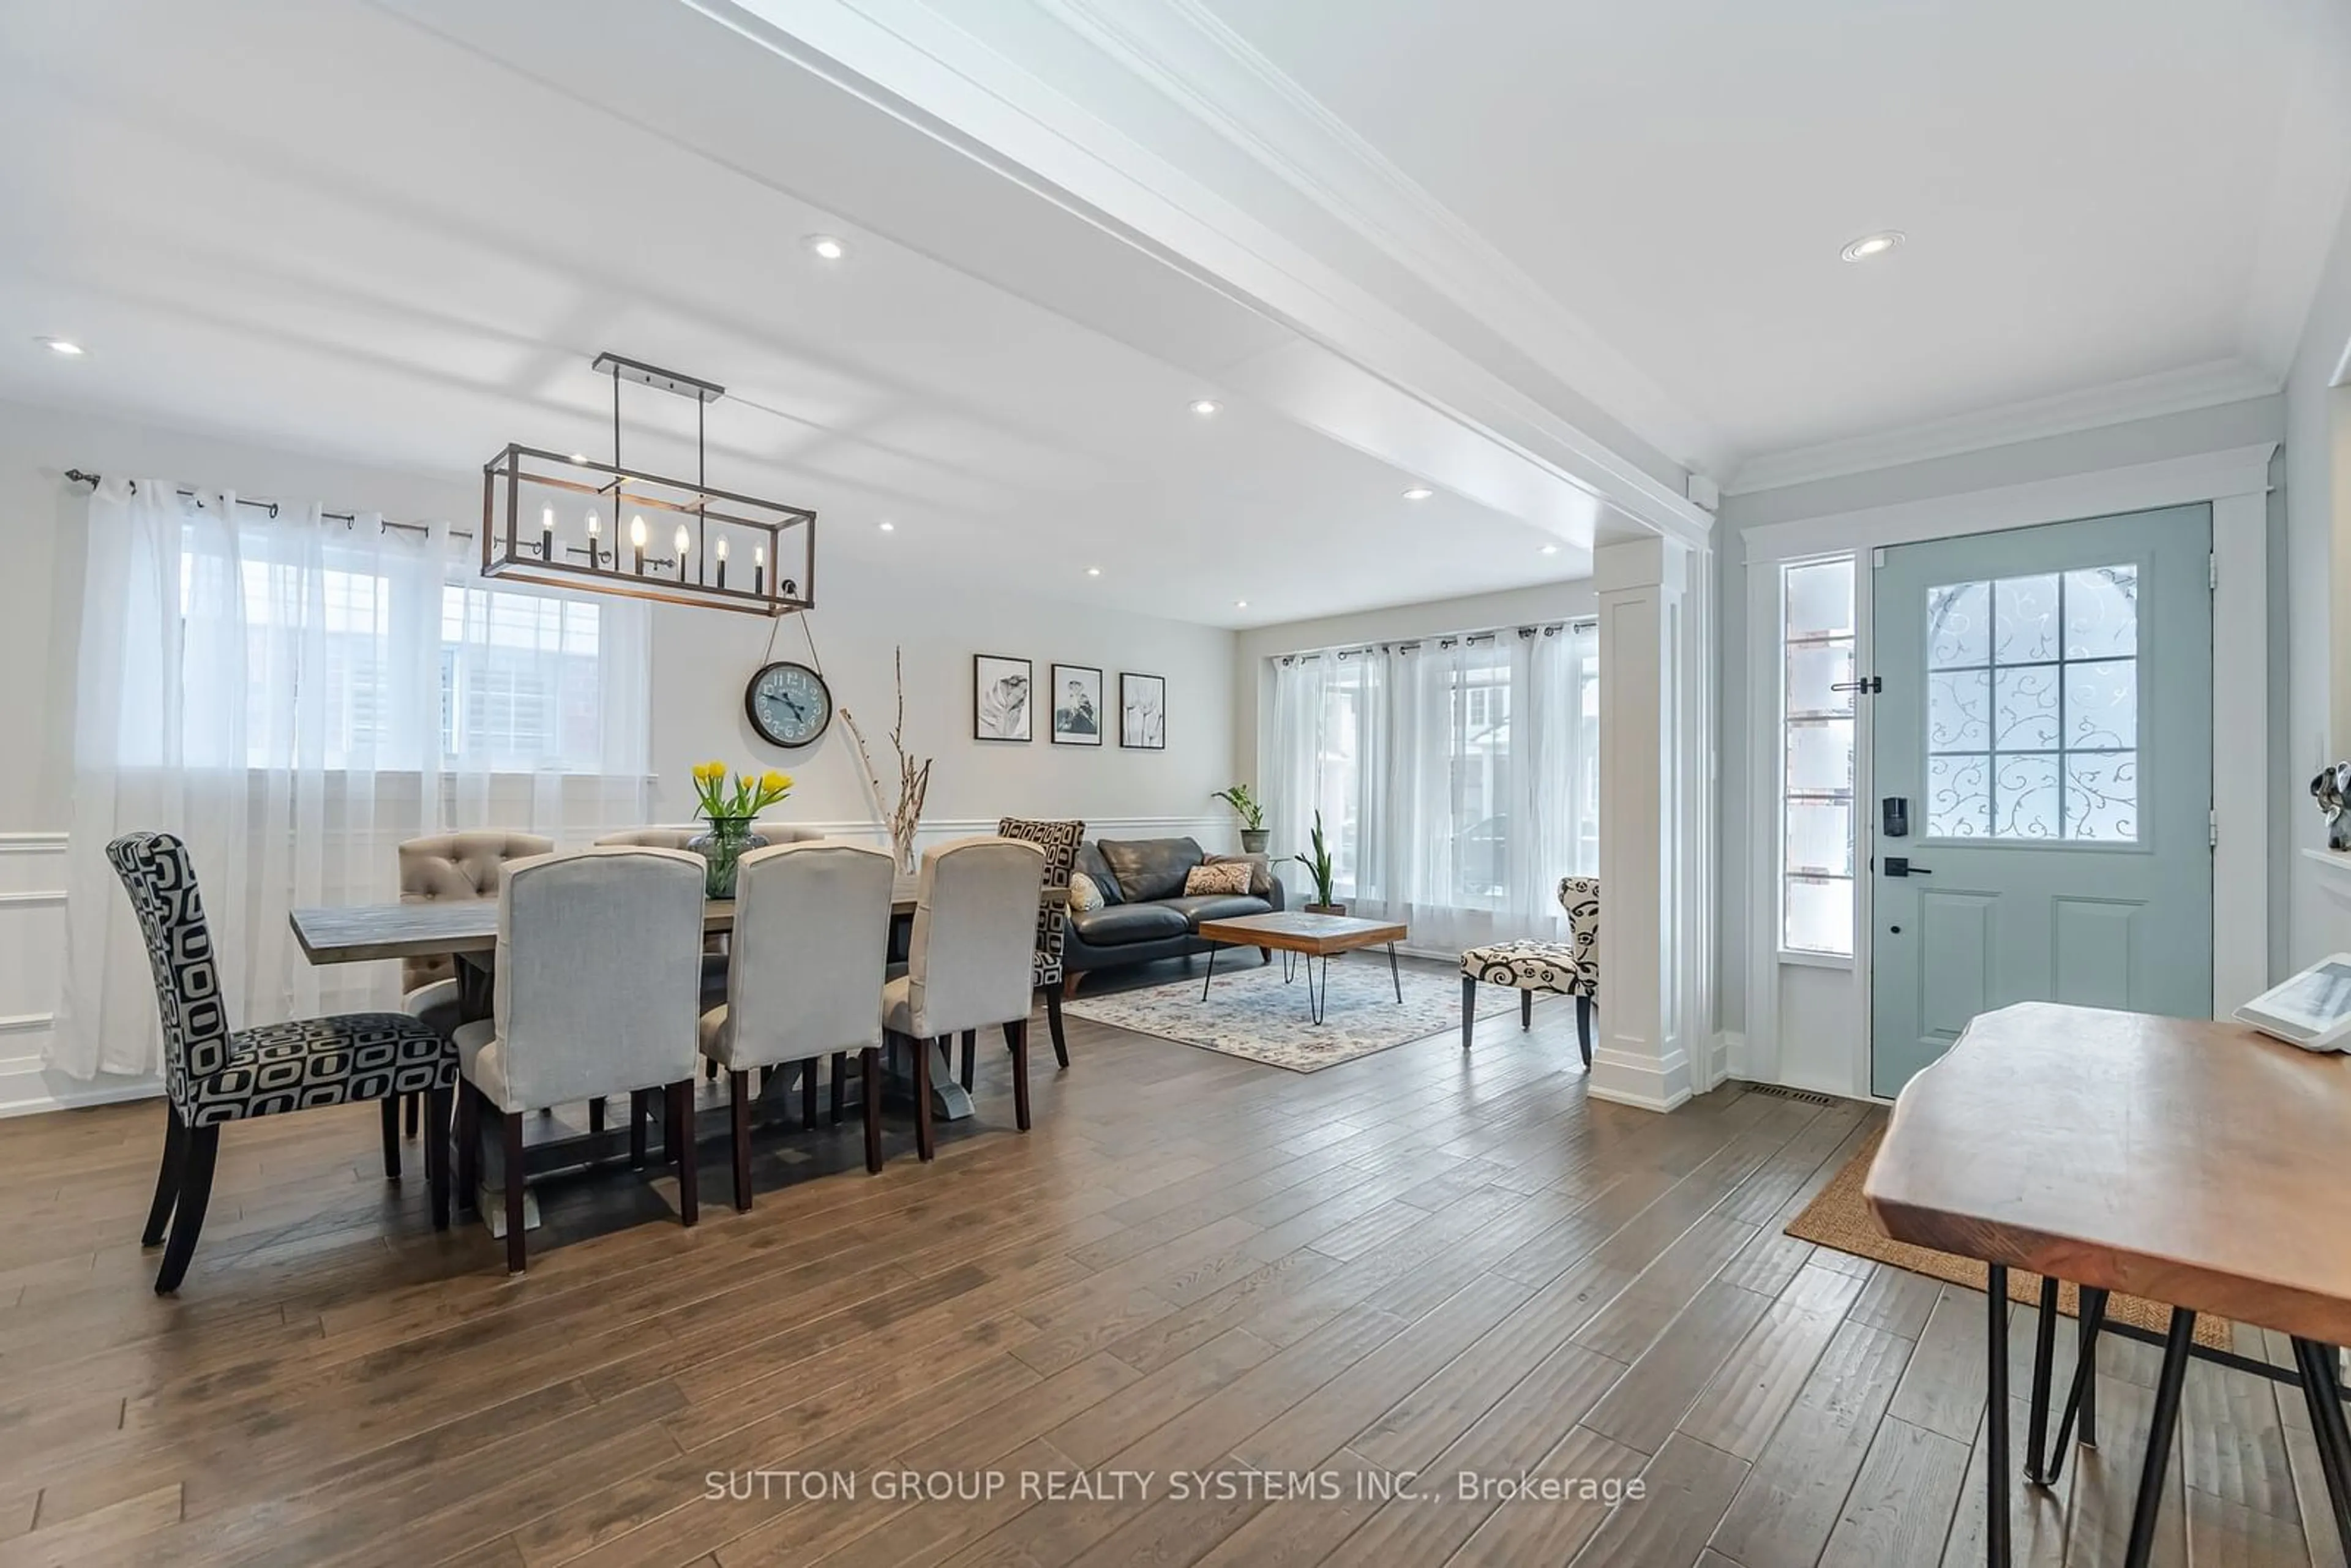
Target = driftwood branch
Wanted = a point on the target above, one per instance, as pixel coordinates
(913, 777)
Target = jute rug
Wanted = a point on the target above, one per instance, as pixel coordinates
(1840, 1218)
(1250, 1012)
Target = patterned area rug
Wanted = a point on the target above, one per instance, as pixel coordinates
(1250, 1013)
(1841, 1217)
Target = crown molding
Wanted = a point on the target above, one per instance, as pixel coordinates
(2116, 403)
(1198, 61)
(1023, 104)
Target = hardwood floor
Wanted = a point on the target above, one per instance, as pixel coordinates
(1196, 1278)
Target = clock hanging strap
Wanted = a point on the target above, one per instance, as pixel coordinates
(807, 634)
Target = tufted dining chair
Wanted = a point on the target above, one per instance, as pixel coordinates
(1059, 840)
(600, 970)
(970, 963)
(1565, 968)
(811, 941)
(464, 866)
(213, 1076)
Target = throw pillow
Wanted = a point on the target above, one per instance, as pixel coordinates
(1227, 877)
(1083, 894)
(1261, 882)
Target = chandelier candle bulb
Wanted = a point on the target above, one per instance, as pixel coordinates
(685, 543)
(595, 542)
(759, 569)
(637, 541)
(722, 563)
(546, 533)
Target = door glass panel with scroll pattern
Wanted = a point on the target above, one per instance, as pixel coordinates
(2033, 706)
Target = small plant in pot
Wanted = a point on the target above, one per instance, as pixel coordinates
(1320, 868)
(1247, 807)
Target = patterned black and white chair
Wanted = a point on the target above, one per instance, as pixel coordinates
(1569, 969)
(599, 981)
(214, 1074)
(1059, 840)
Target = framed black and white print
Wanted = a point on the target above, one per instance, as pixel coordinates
(1142, 711)
(1077, 702)
(1001, 700)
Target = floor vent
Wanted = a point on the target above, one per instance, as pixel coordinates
(1802, 1096)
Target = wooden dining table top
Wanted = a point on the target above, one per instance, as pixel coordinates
(2191, 1163)
(362, 933)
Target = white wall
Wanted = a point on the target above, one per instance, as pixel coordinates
(1253, 673)
(701, 659)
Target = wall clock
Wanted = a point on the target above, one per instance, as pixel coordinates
(788, 705)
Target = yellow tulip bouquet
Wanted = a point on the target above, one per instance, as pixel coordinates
(752, 794)
(730, 812)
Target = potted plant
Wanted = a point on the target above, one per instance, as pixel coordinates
(1247, 807)
(1321, 869)
(729, 813)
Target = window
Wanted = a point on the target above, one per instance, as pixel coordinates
(2033, 706)
(1816, 633)
(364, 655)
(1457, 778)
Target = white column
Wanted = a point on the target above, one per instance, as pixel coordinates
(1647, 854)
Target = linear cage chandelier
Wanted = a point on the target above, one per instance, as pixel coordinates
(567, 522)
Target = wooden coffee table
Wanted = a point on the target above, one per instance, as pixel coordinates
(1296, 933)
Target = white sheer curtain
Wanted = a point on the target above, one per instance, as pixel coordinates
(295, 694)
(1458, 778)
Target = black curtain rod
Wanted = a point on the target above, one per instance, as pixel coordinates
(81, 477)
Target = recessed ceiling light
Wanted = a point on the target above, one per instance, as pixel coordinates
(580, 458)
(1094, 571)
(1548, 549)
(888, 527)
(1418, 493)
(1240, 604)
(61, 346)
(825, 245)
(1205, 406)
(1868, 246)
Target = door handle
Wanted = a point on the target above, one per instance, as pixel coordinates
(1899, 865)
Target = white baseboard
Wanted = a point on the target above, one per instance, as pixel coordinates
(1639, 1078)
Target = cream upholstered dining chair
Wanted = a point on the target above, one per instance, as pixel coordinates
(970, 961)
(214, 1074)
(811, 949)
(1565, 968)
(465, 866)
(599, 982)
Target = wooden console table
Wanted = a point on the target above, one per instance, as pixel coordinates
(2190, 1162)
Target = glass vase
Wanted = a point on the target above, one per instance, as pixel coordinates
(722, 850)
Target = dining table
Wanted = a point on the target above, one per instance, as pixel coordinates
(467, 930)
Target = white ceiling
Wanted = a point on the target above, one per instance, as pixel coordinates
(412, 262)
(1545, 253)
(2094, 192)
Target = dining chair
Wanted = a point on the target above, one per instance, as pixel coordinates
(461, 867)
(1059, 840)
(599, 979)
(213, 1076)
(811, 947)
(970, 962)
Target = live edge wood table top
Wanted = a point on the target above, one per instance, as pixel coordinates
(1295, 931)
(2191, 1163)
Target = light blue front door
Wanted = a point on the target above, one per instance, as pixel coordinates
(2046, 721)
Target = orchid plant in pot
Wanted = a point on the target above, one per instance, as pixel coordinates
(730, 813)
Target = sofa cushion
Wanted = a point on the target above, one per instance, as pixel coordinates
(1092, 865)
(1261, 871)
(1115, 925)
(1216, 907)
(1232, 877)
(1150, 868)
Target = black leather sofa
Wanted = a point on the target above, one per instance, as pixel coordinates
(1143, 914)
